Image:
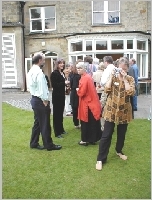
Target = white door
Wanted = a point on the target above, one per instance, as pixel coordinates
(28, 65)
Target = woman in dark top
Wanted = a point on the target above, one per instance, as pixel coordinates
(58, 97)
(74, 99)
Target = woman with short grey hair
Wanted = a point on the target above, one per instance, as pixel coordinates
(89, 109)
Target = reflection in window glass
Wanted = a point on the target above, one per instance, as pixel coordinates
(101, 45)
(129, 44)
(76, 46)
(117, 44)
(143, 65)
(49, 12)
(35, 13)
(50, 24)
(88, 45)
(141, 45)
(36, 25)
(138, 63)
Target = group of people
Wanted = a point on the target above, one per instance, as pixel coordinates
(99, 97)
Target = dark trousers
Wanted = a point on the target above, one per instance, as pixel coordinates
(41, 123)
(75, 116)
(105, 141)
(131, 101)
(58, 109)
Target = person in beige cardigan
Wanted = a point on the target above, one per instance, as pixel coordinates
(97, 77)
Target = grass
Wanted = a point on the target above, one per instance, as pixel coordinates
(70, 173)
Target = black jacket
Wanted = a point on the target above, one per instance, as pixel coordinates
(74, 83)
(58, 85)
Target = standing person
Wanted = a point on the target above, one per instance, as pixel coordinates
(95, 63)
(97, 77)
(90, 68)
(74, 99)
(89, 109)
(68, 108)
(40, 105)
(58, 97)
(108, 63)
(117, 110)
(133, 65)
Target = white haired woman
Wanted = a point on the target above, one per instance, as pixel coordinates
(89, 109)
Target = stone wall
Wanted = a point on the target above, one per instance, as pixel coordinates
(11, 11)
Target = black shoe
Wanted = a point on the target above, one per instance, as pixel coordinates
(55, 147)
(93, 143)
(135, 109)
(38, 147)
(59, 136)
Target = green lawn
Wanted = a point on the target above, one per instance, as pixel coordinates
(70, 173)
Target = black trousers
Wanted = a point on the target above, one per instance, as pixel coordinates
(132, 105)
(58, 109)
(75, 116)
(41, 123)
(105, 141)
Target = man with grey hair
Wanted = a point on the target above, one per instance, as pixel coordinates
(108, 62)
(37, 85)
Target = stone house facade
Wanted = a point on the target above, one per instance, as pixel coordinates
(74, 29)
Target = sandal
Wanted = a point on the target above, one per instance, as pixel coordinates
(122, 156)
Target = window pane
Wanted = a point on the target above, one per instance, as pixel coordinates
(141, 45)
(98, 18)
(88, 45)
(49, 11)
(80, 57)
(76, 46)
(113, 17)
(117, 44)
(101, 45)
(138, 64)
(73, 59)
(113, 5)
(98, 6)
(129, 44)
(50, 24)
(35, 13)
(143, 65)
(36, 25)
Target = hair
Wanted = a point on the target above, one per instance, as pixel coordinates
(116, 63)
(57, 62)
(108, 59)
(101, 66)
(96, 61)
(82, 65)
(36, 58)
(74, 69)
(88, 59)
(133, 60)
(124, 60)
(79, 60)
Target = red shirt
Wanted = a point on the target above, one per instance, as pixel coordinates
(88, 98)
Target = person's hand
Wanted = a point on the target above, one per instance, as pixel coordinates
(77, 89)
(45, 103)
(123, 73)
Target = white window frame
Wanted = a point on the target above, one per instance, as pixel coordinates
(42, 18)
(105, 11)
(8, 72)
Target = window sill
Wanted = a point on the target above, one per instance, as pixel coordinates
(103, 25)
(40, 32)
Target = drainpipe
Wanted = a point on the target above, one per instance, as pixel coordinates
(22, 3)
